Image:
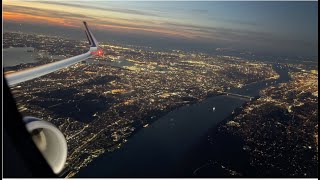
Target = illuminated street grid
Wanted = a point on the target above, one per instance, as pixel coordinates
(280, 129)
(98, 106)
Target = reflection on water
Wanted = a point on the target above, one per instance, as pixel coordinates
(254, 88)
(158, 149)
(24, 55)
(18, 55)
(162, 149)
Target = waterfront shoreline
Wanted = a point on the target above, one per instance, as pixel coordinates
(256, 87)
(165, 114)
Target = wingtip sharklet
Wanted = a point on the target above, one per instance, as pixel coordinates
(88, 37)
(92, 40)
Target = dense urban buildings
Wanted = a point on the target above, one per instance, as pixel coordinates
(98, 104)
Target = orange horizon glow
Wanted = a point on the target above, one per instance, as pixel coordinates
(23, 17)
(20, 17)
(116, 22)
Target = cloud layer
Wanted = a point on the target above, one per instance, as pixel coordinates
(191, 22)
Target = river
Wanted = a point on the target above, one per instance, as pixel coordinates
(18, 55)
(24, 55)
(161, 149)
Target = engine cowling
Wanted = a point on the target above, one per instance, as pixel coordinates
(49, 140)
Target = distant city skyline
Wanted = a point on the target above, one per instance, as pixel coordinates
(285, 28)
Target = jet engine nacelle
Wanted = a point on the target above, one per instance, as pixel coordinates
(49, 140)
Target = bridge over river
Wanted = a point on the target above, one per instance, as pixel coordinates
(239, 95)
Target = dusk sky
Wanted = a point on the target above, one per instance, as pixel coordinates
(289, 28)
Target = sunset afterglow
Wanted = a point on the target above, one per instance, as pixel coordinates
(237, 25)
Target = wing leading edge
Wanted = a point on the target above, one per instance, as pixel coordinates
(28, 74)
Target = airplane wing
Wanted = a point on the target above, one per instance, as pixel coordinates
(31, 73)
